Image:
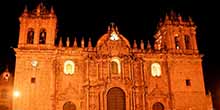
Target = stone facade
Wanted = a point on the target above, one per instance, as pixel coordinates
(113, 75)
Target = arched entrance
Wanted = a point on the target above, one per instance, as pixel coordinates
(116, 99)
(158, 106)
(69, 106)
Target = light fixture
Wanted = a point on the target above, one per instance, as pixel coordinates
(16, 93)
(34, 63)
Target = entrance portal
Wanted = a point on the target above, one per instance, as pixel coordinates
(69, 106)
(116, 99)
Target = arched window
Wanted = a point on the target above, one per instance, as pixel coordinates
(115, 66)
(30, 36)
(69, 67)
(155, 70)
(158, 106)
(177, 43)
(116, 99)
(42, 39)
(187, 42)
(69, 106)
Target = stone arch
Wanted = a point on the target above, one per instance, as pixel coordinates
(116, 99)
(187, 41)
(158, 106)
(30, 36)
(69, 106)
(42, 37)
(115, 65)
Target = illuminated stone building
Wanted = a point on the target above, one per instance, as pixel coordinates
(112, 75)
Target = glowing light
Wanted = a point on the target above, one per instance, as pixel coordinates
(34, 63)
(16, 94)
(177, 47)
(155, 70)
(118, 63)
(114, 36)
(69, 67)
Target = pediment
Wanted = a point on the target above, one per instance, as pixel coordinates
(112, 42)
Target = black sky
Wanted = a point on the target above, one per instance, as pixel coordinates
(135, 19)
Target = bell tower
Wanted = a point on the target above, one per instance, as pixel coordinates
(37, 28)
(35, 57)
(176, 35)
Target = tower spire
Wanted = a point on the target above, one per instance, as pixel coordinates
(68, 42)
(112, 24)
(191, 21)
(148, 45)
(109, 28)
(38, 10)
(52, 13)
(51, 10)
(75, 42)
(25, 13)
(60, 42)
(90, 42)
(142, 44)
(82, 42)
(135, 44)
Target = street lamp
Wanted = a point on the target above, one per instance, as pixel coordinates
(16, 94)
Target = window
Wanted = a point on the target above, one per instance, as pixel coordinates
(177, 43)
(188, 82)
(158, 106)
(42, 39)
(115, 66)
(155, 70)
(187, 42)
(4, 94)
(33, 80)
(30, 36)
(69, 67)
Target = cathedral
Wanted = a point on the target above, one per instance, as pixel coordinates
(112, 75)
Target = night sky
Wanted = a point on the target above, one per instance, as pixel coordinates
(135, 20)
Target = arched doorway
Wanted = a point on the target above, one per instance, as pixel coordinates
(116, 99)
(69, 106)
(158, 106)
